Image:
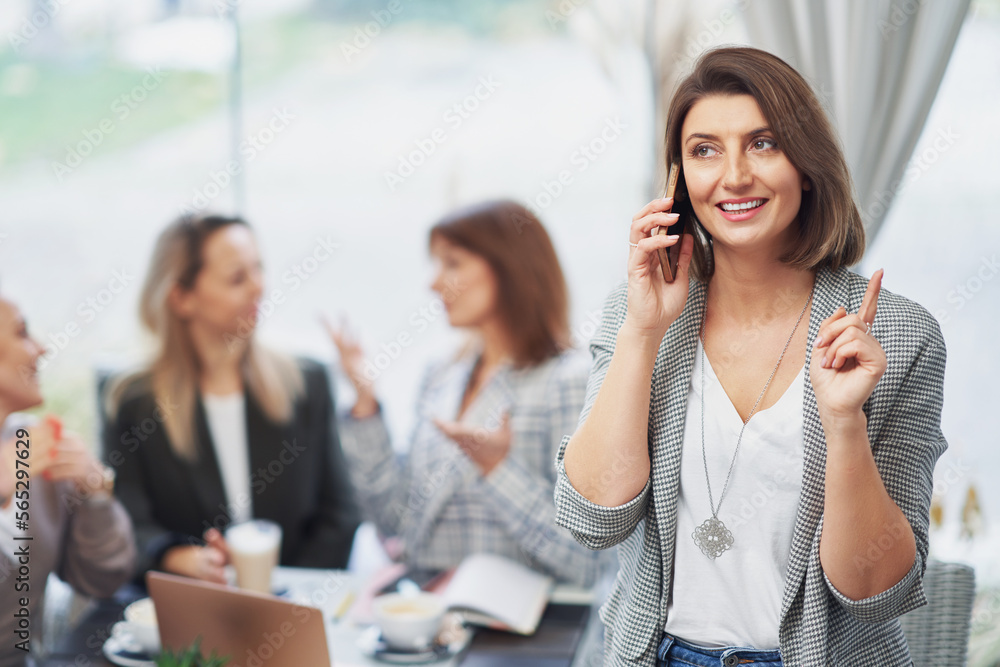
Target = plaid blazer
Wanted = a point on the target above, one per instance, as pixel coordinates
(819, 625)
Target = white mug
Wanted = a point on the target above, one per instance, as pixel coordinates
(409, 621)
(140, 624)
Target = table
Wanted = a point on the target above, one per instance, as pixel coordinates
(327, 590)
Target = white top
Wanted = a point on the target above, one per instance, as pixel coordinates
(735, 600)
(227, 424)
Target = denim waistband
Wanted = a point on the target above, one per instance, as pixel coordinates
(683, 653)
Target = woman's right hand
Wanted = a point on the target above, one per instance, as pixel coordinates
(205, 563)
(653, 303)
(352, 359)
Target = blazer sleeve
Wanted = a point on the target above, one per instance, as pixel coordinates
(525, 493)
(123, 452)
(99, 553)
(594, 525)
(331, 535)
(382, 477)
(906, 447)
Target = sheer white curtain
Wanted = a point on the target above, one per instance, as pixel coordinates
(876, 65)
(643, 46)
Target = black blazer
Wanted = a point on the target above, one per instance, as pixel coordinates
(299, 478)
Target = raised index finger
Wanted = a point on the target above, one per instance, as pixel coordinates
(870, 302)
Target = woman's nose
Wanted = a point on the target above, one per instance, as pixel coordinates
(257, 283)
(438, 282)
(738, 175)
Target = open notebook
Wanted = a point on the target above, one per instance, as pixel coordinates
(498, 593)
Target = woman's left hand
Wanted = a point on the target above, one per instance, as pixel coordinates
(69, 459)
(847, 361)
(487, 448)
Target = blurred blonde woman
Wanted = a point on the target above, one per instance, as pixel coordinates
(49, 480)
(217, 429)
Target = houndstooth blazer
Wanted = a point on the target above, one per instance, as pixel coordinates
(819, 625)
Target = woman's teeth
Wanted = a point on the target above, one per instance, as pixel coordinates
(745, 206)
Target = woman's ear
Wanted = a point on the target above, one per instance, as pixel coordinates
(181, 302)
(806, 183)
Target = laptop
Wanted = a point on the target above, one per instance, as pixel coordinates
(251, 628)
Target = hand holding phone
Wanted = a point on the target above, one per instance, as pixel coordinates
(669, 256)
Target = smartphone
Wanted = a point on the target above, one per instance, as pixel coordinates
(425, 579)
(676, 189)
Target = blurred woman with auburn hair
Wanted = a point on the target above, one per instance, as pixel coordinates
(478, 475)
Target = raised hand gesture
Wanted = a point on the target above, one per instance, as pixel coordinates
(847, 360)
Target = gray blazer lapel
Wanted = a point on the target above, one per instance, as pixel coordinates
(668, 398)
(831, 292)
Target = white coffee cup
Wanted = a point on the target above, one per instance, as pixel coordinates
(409, 621)
(140, 624)
(254, 547)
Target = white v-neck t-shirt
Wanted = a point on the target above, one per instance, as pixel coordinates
(735, 599)
(227, 423)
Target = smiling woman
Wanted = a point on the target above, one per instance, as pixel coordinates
(707, 398)
(56, 513)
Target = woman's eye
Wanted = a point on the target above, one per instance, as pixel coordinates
(704, 151)
(763, 144)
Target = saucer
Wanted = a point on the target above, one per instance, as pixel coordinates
(447, 645)
(120, 651)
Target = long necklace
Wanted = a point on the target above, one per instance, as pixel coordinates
(712, 536)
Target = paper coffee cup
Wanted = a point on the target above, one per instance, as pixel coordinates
(254, 548)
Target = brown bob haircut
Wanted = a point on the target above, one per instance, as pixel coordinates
(830, 229)
(532, 297)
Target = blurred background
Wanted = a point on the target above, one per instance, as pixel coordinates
(343, 129)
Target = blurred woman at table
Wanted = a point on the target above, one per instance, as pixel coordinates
(72, 526)
(217, 429)
(478, 476)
